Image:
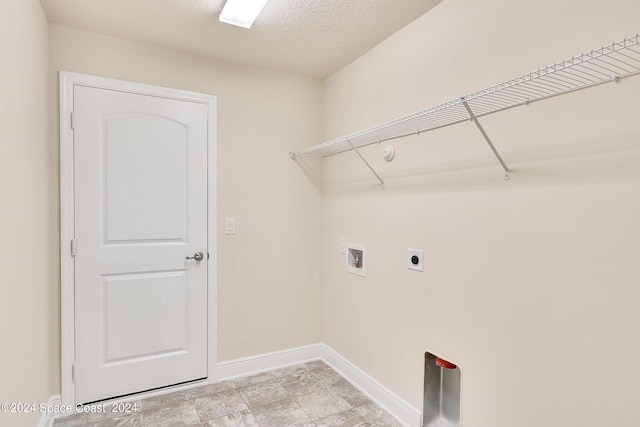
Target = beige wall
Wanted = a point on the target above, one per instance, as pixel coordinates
(532, 285)
(26, 291)
(268, 298)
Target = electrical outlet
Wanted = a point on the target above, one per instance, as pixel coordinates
(343, 246)
(415, 259)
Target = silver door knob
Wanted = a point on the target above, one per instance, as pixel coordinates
(198, 256)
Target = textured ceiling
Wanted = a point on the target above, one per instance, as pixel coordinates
(307, 37)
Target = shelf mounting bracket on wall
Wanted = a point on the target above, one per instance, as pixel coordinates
(507, 172)
(353, 147)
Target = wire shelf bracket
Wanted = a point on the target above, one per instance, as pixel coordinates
(610, 63)
(507, 172)
(367, 163)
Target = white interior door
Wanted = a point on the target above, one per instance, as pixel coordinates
(141, 209)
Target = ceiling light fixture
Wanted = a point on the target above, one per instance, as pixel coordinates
(241, 12)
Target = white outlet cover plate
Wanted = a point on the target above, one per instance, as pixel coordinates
(343, 246)
(420, 254)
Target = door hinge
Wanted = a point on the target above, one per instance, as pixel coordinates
(72, 121)
(73, 372)
(74, 247)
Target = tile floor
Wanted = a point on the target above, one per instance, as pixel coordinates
(306, 395)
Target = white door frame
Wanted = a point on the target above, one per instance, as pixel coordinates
(67, 220)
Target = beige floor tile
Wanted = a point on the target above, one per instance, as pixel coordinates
(322, 403)
(208, 390)
(377, 415)
(315, 365)
(350, 393)
(220, 405)
(349, 418)
(239, 419)
(305, 395)
(328, 376)
(177, 414)
(263, 393)
(164, 400)
(131, 420)
(286, 413)
(77, 420)
(255, 379)
(302, 383)
(291, 370)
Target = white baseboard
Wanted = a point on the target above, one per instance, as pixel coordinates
(391, 402)
(46, 420)
(266, 362)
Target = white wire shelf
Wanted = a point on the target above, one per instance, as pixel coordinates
(608, 63)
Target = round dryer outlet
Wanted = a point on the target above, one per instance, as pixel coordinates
(415, 259)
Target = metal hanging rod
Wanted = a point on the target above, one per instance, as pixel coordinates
(608, 63)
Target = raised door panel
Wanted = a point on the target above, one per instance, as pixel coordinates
(146, 169)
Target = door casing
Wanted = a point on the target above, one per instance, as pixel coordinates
(67, 214)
